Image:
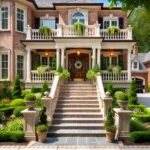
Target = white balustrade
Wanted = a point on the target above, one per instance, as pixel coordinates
(122, 35)
(47, 76)
(109, 76)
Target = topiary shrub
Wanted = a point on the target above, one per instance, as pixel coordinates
(59, 69)
(11, 136)
(44, 88)
(109, 88)
(16, 93)
(103, 63)
(136, 125)
(120, 62)
(96, 68)
(132, 107)
(122, 97)
(33, 90)
(132, 93)
(30, 97)
(17, 102)
(42, 128)
(37, 62)
(140, 136)
(142, 117)
(43, 117)
(17, 111)
(15, 125)
(24, 93)
(53, 67)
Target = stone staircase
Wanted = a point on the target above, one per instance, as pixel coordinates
(77, 112)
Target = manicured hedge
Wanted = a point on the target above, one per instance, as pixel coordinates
(4, 105)
(17, 111)
(11, 136)
(17, 102)
(131, 107)
(142, 117)
(8, 111)
(137, 126)
(140, 136)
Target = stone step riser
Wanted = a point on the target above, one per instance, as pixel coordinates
(77, 106)
(77, 98)
(77, 116)
(78, 94)
(76, 135)
(78, 87)
(77, 127)
(60, 111)
(74, 102)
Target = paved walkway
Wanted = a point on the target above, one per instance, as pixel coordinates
(144, 99)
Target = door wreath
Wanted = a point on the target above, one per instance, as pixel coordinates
(78, 65)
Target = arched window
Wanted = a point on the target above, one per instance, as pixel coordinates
(78, 17)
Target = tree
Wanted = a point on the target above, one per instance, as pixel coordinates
(140, 21)
(44, 88)
(132, 93)
(131, 4)
(16, 93)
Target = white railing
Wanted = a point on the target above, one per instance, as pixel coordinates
(47, 76)
(109, 76)
(68, 30)
(36, 35)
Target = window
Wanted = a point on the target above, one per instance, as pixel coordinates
(4, 67)
(20, 20)
(49, 23)
(108, 23)
(114, 61)
(20, 67)
(4, 18)
(107, 61)
(47, 61)
(135, 65)
(78, 17)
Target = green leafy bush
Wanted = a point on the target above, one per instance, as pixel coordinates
(4, 105)
(133, 93)
(11, 136)
(16, 93)
(140, 136)
(122, 97)
(109, 88)
(96, 68)
(79, 28)
(42, 69)
(136, 125)
(121, 62)
(137, 111)
(24, 93)
(38, 99)
(103, 63)
(65, 74)
(59, 69)
(113, 29)
(37, 62)
(116, 70)
(17, 111)
(132, 107)
(33, 90)
(30, 97)
(17, 102)
(43, 117)
(7, 111)
(46, 31)
(44, 88)
(117, 93)
(42, 128)
(148, 89)
(15, 125)
(142, 117)
(53, 67)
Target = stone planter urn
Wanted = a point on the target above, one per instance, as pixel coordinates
(110, 136)
(30, 100)
(122, 104)
(42, 136)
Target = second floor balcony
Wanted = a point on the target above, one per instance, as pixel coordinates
(90, 31)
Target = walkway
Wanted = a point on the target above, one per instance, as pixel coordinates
(144, 99)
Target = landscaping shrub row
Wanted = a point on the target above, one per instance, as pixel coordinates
(140, 136)
(7, 111)
(142, 117)
(132, 107)
(136, 125)
(14, 136)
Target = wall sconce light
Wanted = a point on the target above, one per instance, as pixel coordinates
(111, 53)
(78, 52)
(47, 54)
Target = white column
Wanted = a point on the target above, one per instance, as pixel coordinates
(58, 57)
(130, 32)
(63, 57)
(99, 57)
(28, 37)
(59, 30)
(97, 29)
(129, 65)
(28, 66)
(94, 57)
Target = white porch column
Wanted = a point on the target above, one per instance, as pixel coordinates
(129, 65)
(99, 57)
(63, 57)
(28, 79)
(28, 35)
(93, 57)
(58, 57)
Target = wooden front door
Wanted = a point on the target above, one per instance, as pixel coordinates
(78, 65)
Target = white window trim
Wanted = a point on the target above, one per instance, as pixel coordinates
(110, 58)
(5, 4)
(133, 65)
(24, 8)
(5, 52)
(24, 64)
(71, 12)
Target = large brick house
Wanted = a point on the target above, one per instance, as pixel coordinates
(21, 42)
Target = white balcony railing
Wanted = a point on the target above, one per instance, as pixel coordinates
(90, 31)
(109, 76)
(47, 76)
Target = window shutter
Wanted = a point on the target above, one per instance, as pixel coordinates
(37, 23)
(56, 22)
(121, 23)
(100, 21)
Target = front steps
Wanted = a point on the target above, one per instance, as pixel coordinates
(77, 112)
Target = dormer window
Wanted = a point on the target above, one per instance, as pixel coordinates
(135, 65)
(78, 17)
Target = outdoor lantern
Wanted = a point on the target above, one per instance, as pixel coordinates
(111, 53)
(78, 52)
(47, 53)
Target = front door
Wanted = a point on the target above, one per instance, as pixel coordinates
(78, 65)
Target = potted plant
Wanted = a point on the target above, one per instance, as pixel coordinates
(42, 69)
(116, 70)
(42, 128)
(46, 31)
(79, 28)
(113, 29)
(30, 100)
(122, 99)
(109, 126)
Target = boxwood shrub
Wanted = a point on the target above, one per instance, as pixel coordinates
(11, 136)
(136, 125)
(142, 117)
(7, 111)
(17, 102)
(17, 111)
(141, 106)
(140, 136)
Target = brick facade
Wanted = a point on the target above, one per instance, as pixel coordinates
(93, 17)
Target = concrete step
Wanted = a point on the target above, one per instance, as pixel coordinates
(78, 94)
(77, 98)
(72, 102)
(77, 105)
(77, 110)
(77, 115)
(84, 126)
(78, 90)
(77, 120)
(79, 133)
